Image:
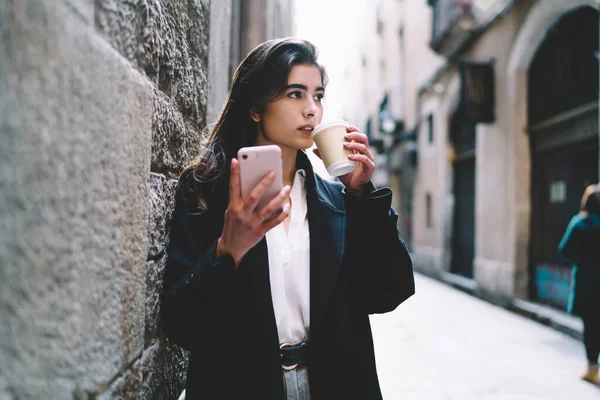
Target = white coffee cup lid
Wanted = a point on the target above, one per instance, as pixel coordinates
(328, 124)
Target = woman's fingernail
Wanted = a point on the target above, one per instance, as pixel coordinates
(287, 188)
(271, 175)
(286, 208)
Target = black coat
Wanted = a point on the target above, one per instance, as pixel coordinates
(358, 266)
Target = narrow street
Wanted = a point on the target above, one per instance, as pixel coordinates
(443, 344)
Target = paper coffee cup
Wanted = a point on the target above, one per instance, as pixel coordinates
(329, 138)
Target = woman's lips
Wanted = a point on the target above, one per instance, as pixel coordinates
(307, 129)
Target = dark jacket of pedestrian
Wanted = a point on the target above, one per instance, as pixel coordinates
(581, 245)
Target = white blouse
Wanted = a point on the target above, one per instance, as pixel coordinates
(289, 268)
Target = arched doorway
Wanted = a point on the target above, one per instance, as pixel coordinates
(563, 128)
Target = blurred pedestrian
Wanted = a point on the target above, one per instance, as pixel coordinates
(581, 245)
(273, 303)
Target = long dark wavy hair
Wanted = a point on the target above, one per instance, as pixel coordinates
(259, 79)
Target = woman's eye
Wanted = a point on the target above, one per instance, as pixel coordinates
(319, 97)
(295, 95)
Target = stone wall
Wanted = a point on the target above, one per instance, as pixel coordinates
(101, 103)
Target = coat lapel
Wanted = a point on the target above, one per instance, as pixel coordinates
(254, 281)
(327, 228)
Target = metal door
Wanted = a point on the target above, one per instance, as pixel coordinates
(463, 238)
(560, 177)
(462, 134)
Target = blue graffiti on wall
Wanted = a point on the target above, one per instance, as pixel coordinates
(552, 282)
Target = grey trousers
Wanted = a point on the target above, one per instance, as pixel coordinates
(295, 383)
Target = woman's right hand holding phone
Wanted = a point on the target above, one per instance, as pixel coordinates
(244, 224)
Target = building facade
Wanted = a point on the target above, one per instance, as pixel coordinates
(507, 141)
(392, 62)
(237, 26)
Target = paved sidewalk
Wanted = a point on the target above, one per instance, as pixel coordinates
(546, 315)
(571, 325)
(445, 344)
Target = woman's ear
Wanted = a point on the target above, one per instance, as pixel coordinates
(255, 116)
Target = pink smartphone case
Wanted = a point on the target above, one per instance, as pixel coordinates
(255, 163)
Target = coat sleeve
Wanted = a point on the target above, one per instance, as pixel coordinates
(569, 246)
(379, 258)
(197, 286)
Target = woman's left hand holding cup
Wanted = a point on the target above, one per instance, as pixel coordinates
(365, 162)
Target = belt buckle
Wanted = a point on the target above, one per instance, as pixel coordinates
(287, 367)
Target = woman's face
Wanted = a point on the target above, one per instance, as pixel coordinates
(289, 120)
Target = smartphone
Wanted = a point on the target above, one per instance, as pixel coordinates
(255, 163)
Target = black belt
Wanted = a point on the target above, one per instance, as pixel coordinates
(292, 355)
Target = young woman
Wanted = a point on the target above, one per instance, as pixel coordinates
(277, 308)
(580, 245)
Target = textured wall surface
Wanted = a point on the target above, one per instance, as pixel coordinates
(221, 13)
(101, 103)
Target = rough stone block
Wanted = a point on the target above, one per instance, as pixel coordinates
(171, 187)
(120, 22)
(84, 9)
(168, 40)
(162, 202)
(160, 374)
(4, 390)
(161, 194)
(175, 142)
(154, 289)
(75, 124)
(164, 370)
(126, 386)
